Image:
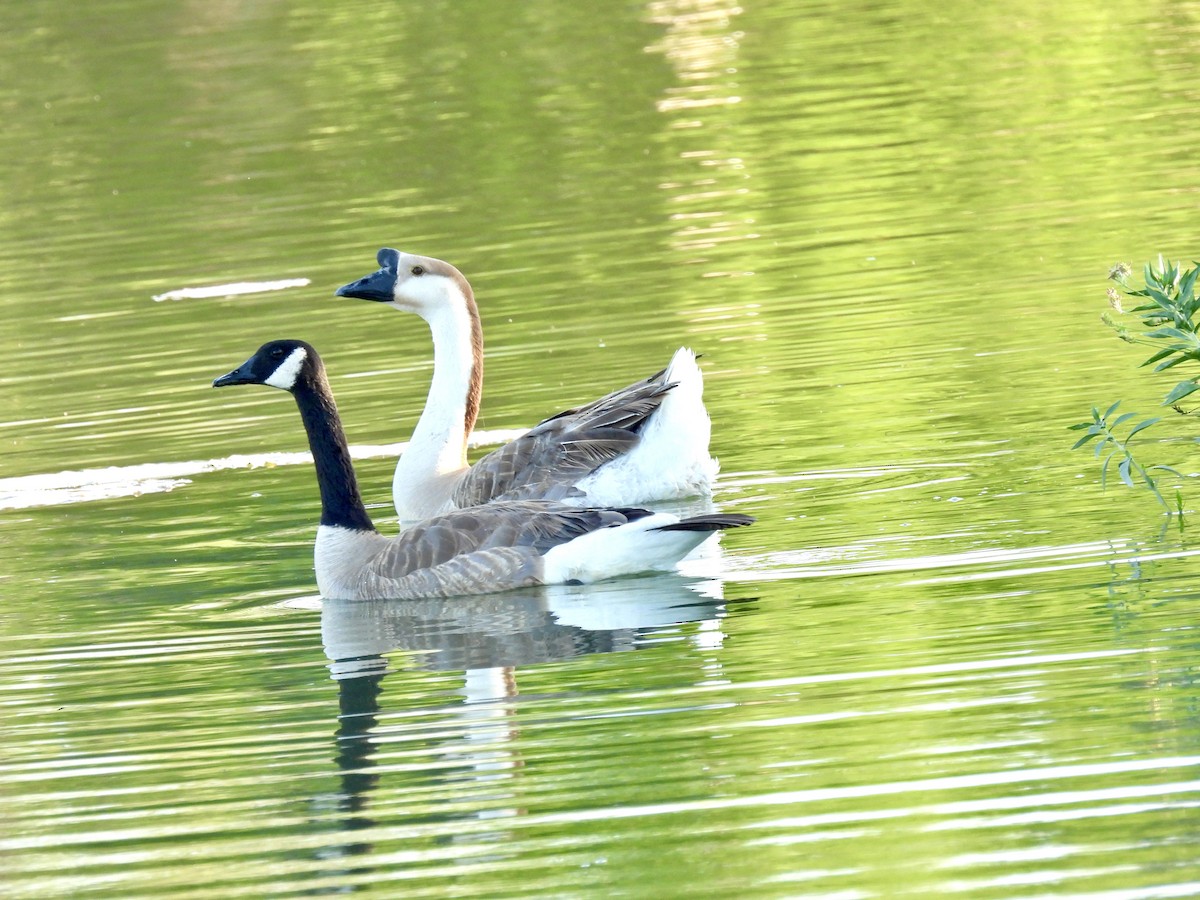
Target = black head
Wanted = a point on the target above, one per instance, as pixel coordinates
(277, 364)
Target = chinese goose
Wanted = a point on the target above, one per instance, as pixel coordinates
(468, 551)
(646, 442)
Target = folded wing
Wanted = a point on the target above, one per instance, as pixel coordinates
(547, 461)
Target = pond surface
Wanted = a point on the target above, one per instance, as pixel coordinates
(942, 662)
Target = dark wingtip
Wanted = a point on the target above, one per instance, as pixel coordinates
(711, 522)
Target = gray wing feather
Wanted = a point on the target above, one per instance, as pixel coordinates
(477, 572)
(488, 548)
(547, 461)
(528, 524)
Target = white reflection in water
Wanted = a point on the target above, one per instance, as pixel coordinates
(488, 637)
(514, 628)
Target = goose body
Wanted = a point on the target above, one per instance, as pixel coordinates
(645, 442)
(468, 551)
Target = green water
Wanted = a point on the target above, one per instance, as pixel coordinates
(942, 662)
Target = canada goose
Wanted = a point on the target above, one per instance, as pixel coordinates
(468, 551)
(646, 442)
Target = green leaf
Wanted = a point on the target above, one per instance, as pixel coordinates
(1180, 391)
(1151, 311)
(1188, 285)
(1123, 471)
(1171, 333)
(1161, 354)
(1083, 440)
(1123, 417)
(1141, 426)
(1112, 409)
(1171, 363)
(1153, 315)
(1104, 469)
(1159, 297)
(1079, 427)
(1163, 468)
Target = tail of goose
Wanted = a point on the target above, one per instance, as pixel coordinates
(671, 457)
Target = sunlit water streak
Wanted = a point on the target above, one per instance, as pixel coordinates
(982, 779)
(231, 290)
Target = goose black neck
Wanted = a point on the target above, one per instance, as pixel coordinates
(341, 503)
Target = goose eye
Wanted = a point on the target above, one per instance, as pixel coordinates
(417, 270)
(277, 353)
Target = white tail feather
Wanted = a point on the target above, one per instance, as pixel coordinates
(672, 458)
(624, 550)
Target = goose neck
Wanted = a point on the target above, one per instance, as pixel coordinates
(456, 387)
(341, 502)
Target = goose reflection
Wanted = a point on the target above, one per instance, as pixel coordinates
(489, 638)
(515, 628)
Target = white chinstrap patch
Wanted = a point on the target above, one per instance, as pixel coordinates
(284, 376)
